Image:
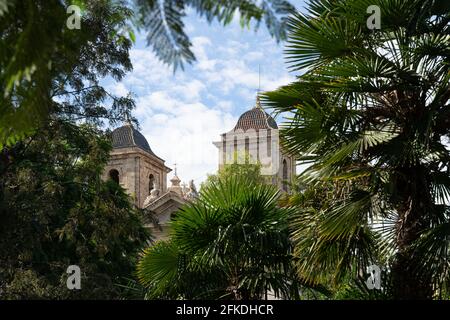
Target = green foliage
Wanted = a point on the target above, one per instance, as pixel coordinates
(249, 171)
(231, 243)
(55, 211)
(370, 115)
(356, 289)
(54, 208)
(47, 68)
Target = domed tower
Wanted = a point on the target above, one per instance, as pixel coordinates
(254, 139)
(133, 164)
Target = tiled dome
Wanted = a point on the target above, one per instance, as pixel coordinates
(127, 136)
(256, 119)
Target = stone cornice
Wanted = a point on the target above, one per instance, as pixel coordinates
(123, 153)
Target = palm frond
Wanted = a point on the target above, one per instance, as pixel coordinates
(346, 219)
(316, 257)
(4, 7)
(159, 263)
(163, 20)
(276, 13)
(432, 253)
(235, 242)
(224, 10)
(319, 41)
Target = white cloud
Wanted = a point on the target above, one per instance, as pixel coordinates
(200, 46)
(147, 69)
(206, 64)
(199, 42)
(189, 91)
(118, 89)
(186, 135)
(225, 105)
(254, 56)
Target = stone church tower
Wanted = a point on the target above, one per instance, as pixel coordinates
(143, 175)
(254, 139)
(134, 166)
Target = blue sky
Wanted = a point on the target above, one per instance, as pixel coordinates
(182, 114)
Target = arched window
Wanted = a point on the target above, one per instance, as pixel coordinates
(114, 175)
(285, 175)
(151, 183)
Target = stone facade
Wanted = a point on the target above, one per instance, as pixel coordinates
(256, 136)
(137, 170)
(163, 209)
(143, 175)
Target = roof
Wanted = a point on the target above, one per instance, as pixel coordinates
(256, 118)
(127, 136)
(168, 196)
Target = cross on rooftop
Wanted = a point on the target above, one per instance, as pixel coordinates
(175, 168)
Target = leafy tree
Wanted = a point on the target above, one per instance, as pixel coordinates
(45, 68)
(231, 243)
(249, 171)
(43, 62)
(371, 116)
(55, 211)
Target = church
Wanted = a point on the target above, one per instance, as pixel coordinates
(255, 139)
(143, 174)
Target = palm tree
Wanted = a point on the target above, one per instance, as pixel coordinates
(231, 243)
(371, 117)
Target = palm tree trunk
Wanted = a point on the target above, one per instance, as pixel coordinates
(414, 195)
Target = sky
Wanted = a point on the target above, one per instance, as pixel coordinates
(182, 114)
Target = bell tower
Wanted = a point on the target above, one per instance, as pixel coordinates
(255, 135)
(133, 164)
